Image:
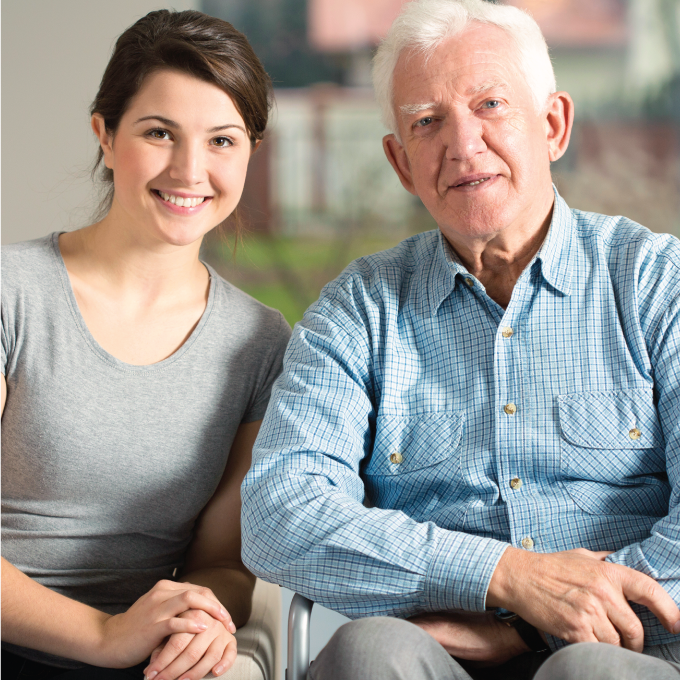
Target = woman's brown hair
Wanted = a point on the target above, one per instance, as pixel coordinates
(192, 42)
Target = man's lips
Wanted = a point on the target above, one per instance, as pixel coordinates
(471, 181)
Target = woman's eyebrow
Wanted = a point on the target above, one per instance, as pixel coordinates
(227, 126)
(160, 119)
(173, 124)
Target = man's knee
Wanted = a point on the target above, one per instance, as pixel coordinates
(380, 647)
(605, 662)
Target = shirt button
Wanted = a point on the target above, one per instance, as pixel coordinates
(469, 282)
(396, 458)
(635, 434)
(527, 543)
(516, 483)
(510, 409)
(507, 332)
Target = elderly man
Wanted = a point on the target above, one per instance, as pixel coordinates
(479, 430)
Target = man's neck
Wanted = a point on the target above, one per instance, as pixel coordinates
(498, 260)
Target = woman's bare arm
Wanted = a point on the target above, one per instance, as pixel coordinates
(35, 616)
(214, 556)
(214, 560)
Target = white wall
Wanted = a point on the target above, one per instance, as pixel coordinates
(53, 55)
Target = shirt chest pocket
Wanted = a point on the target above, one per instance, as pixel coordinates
(410, 443)
(612, 453)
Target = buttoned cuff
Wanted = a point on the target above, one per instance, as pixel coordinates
(460, 571)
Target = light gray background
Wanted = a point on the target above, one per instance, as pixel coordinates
(53, 55)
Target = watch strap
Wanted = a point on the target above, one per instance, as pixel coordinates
(532, 638)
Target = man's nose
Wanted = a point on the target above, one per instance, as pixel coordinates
(463, 137)
(187, 164)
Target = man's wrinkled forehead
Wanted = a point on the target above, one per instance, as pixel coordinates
(479, 89)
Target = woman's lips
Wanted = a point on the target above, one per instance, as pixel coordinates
(181, 204)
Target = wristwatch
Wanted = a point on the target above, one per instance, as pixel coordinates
(526, 631)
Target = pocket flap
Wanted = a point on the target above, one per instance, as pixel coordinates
(403, 444)
(610, 420)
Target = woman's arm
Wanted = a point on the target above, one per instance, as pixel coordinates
(214, 560)
(35, 616)
(214, 555)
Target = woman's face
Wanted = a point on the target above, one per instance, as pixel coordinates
(179, 158)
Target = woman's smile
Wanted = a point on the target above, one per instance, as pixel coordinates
(183, 141)
(181, 204)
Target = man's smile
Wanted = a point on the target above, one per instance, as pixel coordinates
(469, 182)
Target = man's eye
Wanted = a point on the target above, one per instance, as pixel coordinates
(159, 134)
(423, 122)
(491, 104)
(222, 141)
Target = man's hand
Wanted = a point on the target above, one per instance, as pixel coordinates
(194, 656)
(471, 636)
(577, 596)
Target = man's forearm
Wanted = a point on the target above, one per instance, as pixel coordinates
(233, 587)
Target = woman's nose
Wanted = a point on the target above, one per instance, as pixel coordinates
(186, 166)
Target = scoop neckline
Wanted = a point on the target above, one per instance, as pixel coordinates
(98, 349)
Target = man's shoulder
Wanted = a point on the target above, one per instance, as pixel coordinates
(616, 232)
(387, 268)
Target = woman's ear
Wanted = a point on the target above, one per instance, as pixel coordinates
(559, 118)
(105, 138)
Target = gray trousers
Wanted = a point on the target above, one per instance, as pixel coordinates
(384, 648)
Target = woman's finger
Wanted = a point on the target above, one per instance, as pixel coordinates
(191, 599)
(227, 660)
(192, 656)
(165, 654)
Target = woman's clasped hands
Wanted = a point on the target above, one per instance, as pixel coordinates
(189, 631)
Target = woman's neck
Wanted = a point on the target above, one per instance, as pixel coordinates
(115, 258)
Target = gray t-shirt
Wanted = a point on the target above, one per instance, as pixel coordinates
(105, 465)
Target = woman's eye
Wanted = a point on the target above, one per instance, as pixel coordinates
(222, 141)
(159, 134)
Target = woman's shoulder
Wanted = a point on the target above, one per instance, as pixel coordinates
(28, 264)
(29, 251)
(238, 309)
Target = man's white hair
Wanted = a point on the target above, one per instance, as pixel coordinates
(424, 24)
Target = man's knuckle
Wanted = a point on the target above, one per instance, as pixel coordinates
(632, 631)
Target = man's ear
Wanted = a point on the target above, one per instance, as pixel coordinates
(396, 155)
(559, 118)
(105, 138)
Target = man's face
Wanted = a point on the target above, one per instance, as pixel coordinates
(473, 147)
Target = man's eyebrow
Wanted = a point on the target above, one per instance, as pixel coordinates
(485, 87)
(171, 123)
(411, 109)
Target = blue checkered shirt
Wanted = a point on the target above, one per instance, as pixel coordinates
(419, 428)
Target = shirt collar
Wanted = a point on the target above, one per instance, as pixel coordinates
(442, 278)
(554, 255)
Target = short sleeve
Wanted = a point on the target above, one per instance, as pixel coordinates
(7, 334)
(270, 369)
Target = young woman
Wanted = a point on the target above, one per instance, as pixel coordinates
(135, 379)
